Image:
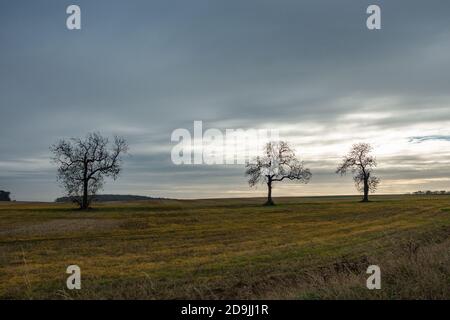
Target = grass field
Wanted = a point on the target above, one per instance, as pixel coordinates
(303, 248)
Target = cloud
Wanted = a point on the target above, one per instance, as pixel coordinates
(420, 139)
(143, 69)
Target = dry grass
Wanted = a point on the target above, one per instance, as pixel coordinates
(423, 273)
(308, 248)
(61, 226)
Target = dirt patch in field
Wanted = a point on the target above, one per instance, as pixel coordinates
(62, 226)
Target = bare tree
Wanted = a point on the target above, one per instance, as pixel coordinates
(277, 164)
(83, 165)
(361, 164)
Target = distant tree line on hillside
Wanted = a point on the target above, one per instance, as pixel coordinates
(110, 198)
(430, 192)
(4, 196)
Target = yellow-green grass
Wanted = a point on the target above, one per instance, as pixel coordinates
(221, 248)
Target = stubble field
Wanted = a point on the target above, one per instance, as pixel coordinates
(303, 248)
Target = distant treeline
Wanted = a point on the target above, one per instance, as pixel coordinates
(4, 196)
(428, 192)
(110, 197)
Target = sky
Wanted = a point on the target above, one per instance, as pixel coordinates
(310, 69)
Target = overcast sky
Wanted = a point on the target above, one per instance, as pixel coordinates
(310, 69)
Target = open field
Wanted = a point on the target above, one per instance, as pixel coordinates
(303, 248)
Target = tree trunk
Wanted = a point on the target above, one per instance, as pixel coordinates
(84, 202)
(269, 194)
(366, 189)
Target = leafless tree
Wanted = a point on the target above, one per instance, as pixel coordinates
(83, 165)
(361, 163)
(278, 163)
